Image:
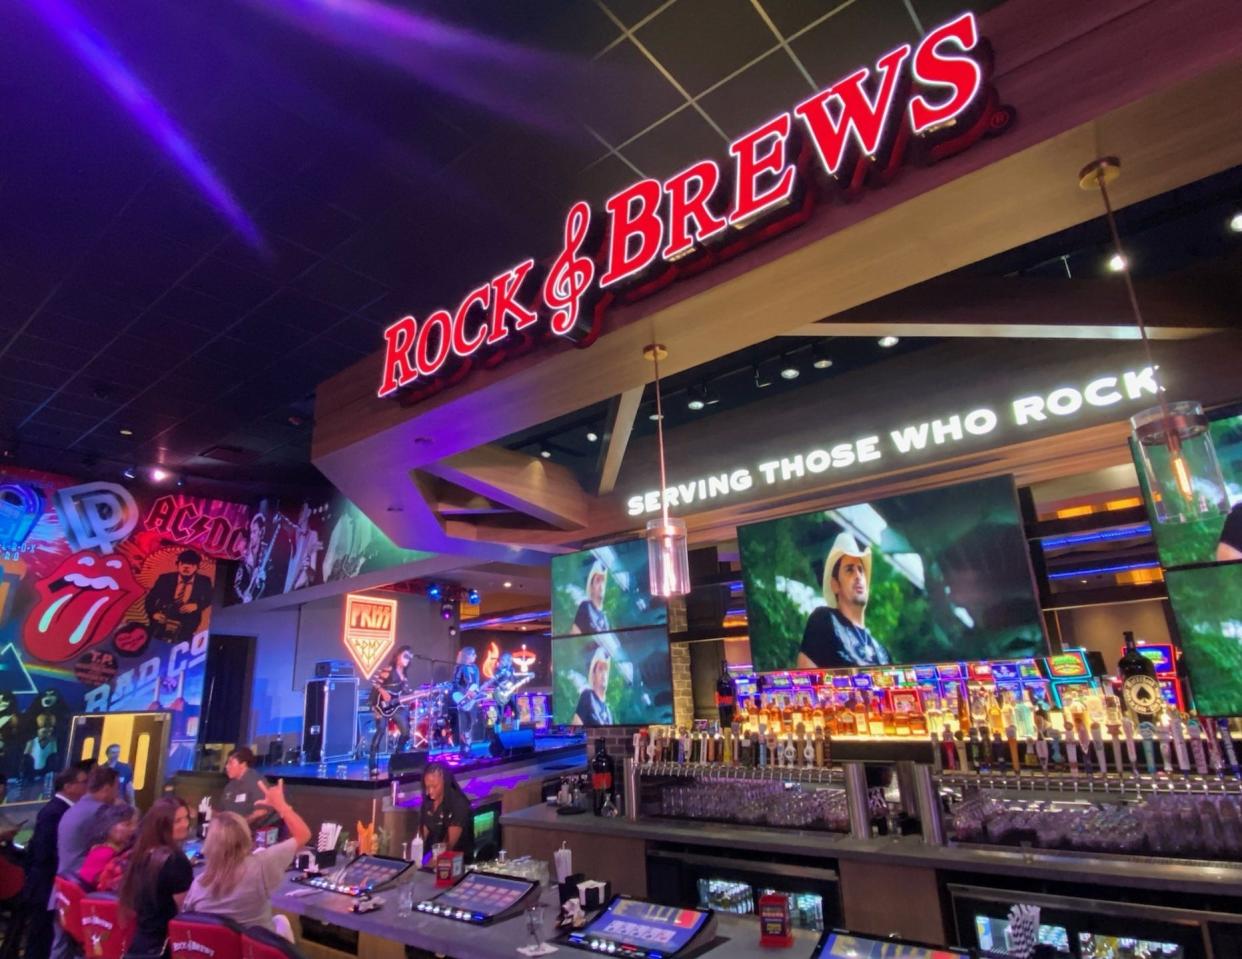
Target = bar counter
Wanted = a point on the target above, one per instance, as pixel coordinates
(383, 934)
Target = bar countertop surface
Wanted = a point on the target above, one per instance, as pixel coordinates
(1188, 876)
(736, 936)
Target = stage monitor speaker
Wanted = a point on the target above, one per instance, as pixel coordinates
(511, 742)
(330, 720)
(399, 764)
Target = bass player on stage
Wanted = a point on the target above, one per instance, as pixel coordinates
(465, 696)
(387, 686)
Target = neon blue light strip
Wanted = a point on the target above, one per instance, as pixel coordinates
(1100, 570)
(504, 620)
(1123, 532)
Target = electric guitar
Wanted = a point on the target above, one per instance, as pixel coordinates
(389, 702)
(506, 691)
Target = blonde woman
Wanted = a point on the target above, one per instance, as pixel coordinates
(239, 883)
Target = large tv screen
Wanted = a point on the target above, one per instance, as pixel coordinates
(1216, 538)
(932, 576)
(604, 589)
(1207, 605)
(612, 679)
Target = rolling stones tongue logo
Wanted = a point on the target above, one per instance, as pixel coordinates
(80, 603)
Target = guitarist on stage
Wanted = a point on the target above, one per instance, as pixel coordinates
(389, 682)
(465, 696)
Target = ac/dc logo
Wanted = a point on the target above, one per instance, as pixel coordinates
(914, 105)
(215, 527)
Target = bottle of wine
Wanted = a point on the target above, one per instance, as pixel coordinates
(603, 777)
(726, 695)
(1140, 689)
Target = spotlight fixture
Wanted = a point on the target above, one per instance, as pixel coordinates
(545, 452)
(159, 474)
(508, 585)
(452, 630)
(126, 431)
(592, 437)
(788, 370)
(655, 417)
(129, 472)
(446, 610)
(1117, 263)
(888, 342)
(822, 360)
(472, 597)
(434, 591)
(1235, 223)
(698, 398)
(180, 481)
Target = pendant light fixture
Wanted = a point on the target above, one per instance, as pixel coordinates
(1173, 440)
(667, 550)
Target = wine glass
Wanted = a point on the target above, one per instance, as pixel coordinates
(534, 925)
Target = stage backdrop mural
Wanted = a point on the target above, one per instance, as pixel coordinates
(288, 546)
(105, 604)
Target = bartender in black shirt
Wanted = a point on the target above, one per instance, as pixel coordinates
(445, 816)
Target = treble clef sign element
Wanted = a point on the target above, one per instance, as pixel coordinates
(571, 274)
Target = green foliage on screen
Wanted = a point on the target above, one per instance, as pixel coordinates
(628, 603)
(639, 683)
(1207, 604)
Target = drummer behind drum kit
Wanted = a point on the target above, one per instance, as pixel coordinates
(430, 707)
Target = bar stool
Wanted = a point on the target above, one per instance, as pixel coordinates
(67, 892)
(104, 935)
(200, 935)
(261, 943)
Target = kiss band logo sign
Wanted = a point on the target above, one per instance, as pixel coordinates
(917, 106)
(370, 630)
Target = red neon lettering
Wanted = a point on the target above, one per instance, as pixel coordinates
(752, 164)
(860, 117)
(426, 364)
(632, 215)
(504, 302)
(398, 341)
(462, 345)
(960, 74)
(688, 193)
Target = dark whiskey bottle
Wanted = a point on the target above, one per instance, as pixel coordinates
(603, 777)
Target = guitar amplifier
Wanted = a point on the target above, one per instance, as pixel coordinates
(333, 668)
(330, 720)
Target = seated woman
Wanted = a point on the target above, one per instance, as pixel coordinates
(104, 865)
(238, 883)
(445, 816)
(157, 877)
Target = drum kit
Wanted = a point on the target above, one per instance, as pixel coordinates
(431, 708)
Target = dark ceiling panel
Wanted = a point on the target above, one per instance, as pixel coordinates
(228, 284)
(702, 41)
(647, 97)
(932, 13)
(790, 16)
(857, 36)
(675, 144)
(771, 86)
(631, 12)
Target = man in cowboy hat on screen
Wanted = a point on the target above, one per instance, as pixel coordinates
(836, 634)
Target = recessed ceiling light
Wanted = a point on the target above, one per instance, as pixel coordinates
(126, 431)
(508, 585)
(1235, 223)
(1117, 263)
(592, 437)
(888, 342)
(655, 417)
(695, 404)
(159, 474)
(546, 453)
(822, 363)
(790, 372)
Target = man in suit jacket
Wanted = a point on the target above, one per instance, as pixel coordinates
(41, 860)
(176, 602)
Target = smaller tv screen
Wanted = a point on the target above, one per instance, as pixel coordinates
(484, 894)
(612, 679)
(632, 922)
(604, 589)
(1207, 605)
(849, 945)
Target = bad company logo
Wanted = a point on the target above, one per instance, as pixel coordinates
(97, 514)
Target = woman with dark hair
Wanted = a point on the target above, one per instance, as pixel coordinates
(104, 865)
(158, 876)
(445, 816)
(465, 696)
(387, 686)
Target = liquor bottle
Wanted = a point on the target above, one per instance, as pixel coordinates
(918, 723)
(796, 712)
(846, 726)
(875, 719)
(819, 718)
(963, 713)
(603, 777)
(726, 695)
(860, 716)
(1140, 689)
(1007, 708)
(996, 719)
(787, 722)
(932, 715)
(1024, 716)
(889, 716)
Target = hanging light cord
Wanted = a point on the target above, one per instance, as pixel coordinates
(1134, 303)
(655, 356)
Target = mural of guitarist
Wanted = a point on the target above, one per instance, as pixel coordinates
(389, 686)
(176, 602)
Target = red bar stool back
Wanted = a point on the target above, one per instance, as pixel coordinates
(260, 943)
(200, 935)
(104, 935)
(68, 893)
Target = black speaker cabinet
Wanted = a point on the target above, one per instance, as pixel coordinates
(511, 742)
(330, 720)
(414, 761)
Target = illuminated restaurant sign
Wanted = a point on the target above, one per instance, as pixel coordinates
(370, 630)
(914, 106)
(907, 440)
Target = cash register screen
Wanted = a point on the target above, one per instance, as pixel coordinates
(653, 927)
(487, 895)
(845, 945)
